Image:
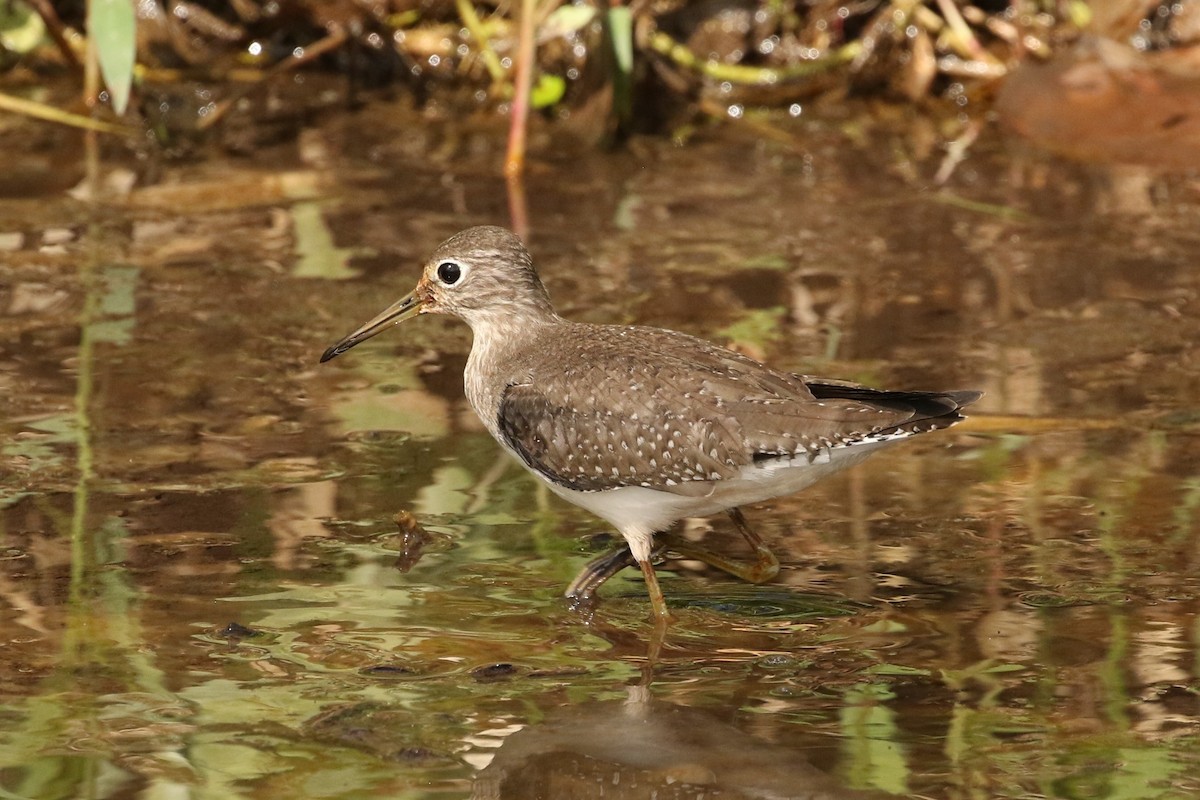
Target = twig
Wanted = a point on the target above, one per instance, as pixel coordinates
(30, 108)
(475, 26)
(751, 76)
(57, 31)
(962, 37)
(956, 151)
(991, 209)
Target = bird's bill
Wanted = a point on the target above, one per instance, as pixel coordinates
(397, 312)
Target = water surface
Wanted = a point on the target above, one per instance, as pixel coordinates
(204, 593)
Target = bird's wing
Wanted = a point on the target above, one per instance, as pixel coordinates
(678, 410)
(626, 441)
(843, 414)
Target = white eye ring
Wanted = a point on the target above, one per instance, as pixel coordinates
(450, 273)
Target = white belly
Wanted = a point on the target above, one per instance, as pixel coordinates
(638, 513)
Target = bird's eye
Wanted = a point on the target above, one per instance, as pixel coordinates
(449, 273)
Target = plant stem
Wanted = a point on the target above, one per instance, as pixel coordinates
(514, 160)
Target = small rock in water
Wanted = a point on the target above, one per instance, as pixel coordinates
(494, 672)
(235, 630)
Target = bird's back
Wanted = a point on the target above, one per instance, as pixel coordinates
(595, 407)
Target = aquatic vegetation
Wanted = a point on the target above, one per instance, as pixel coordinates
(614, 68)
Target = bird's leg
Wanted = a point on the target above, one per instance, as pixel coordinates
(658, 603)
(764, 568)
(766, 565)
(582, 591)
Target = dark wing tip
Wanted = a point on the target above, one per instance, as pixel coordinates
(964, 397)
(924, 411)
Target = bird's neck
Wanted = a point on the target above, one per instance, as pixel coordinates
(498, 342)
(500, 325)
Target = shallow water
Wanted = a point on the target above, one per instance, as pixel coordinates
(205, 595)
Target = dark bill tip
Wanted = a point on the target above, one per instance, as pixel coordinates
(396, 313)
(336, 350)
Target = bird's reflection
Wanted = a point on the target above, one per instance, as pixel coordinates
(642, 748)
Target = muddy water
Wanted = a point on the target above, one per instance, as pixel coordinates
(204, 593)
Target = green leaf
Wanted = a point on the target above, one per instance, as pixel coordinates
(1080, 13)
(112, 26)
(548, 90)
(894, 669)
(620, 23)
(21, 29)
(758, 327)
(566, 20)
(886, 626)
(620, 28)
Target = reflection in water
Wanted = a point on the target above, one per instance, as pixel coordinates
(297, 516)
(1012, 616)
(646, 748)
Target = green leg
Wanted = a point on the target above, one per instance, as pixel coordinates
(658, 603)
(762, 569)
(582, 591)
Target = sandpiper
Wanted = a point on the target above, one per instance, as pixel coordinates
(644, 426)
